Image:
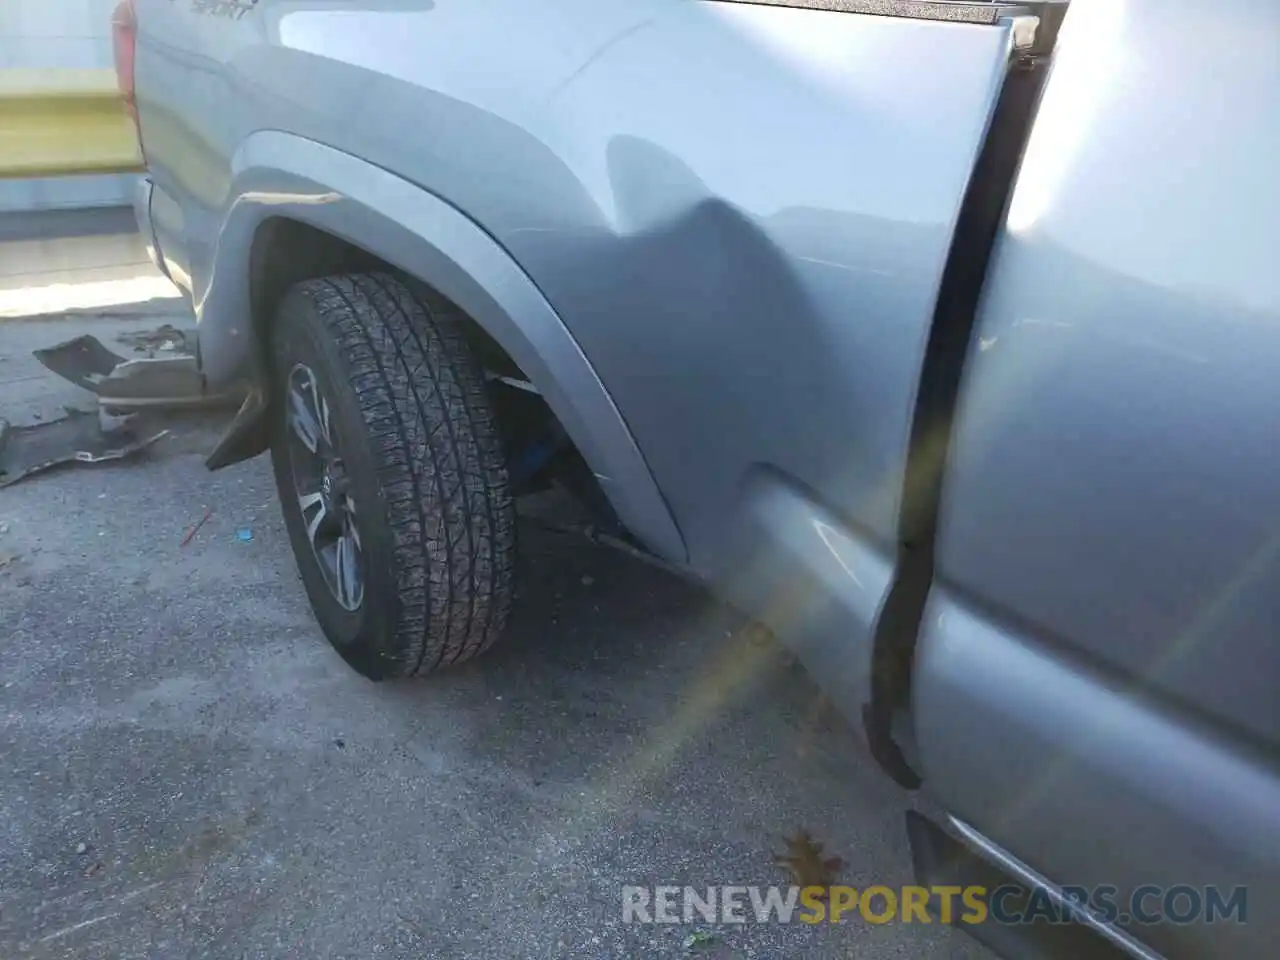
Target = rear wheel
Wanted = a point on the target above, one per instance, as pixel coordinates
(391, 474)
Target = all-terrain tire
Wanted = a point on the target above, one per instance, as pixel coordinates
(421, 456)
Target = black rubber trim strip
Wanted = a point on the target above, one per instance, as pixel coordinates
(981, 215)
(985, 13)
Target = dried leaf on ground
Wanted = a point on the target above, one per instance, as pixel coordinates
(805, 862)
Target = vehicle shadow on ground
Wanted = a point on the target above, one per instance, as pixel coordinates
(191, 764)
(620, 674)
(611, 671)
(615, 673)
(655, 736)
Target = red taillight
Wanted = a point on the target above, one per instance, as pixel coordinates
(124, 36)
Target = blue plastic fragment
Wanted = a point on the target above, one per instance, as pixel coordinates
(244, 534)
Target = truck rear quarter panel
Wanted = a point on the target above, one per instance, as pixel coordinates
(741, 212)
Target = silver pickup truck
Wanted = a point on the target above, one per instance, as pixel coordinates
(942, 338)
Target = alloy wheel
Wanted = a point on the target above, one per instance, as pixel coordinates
(323, 488)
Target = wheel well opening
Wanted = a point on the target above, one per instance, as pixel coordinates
(539, 451)
(286, 252)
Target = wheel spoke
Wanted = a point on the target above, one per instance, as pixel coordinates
(313, 525)
(346, 574)
(323, 404)
(303, 420)
(352, 530)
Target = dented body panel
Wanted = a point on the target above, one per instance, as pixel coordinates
(625, 174)
(739, 214)
(740, 249)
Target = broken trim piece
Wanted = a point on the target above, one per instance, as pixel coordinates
(169, 380)
(76, 438)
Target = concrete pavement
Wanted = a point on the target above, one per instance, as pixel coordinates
(191, 772)
(62, 260)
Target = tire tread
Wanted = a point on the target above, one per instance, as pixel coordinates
(439, 461)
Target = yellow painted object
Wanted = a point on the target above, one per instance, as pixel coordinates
(62, 122)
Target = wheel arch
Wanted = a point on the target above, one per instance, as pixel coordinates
(303, 209)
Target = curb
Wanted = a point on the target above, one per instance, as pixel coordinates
(173, 307)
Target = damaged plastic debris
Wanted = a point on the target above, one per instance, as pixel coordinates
(165, 338)
(79, 437)
(166, 377)
(84, 361)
